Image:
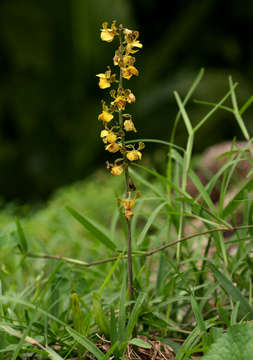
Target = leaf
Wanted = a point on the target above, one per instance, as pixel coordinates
(53, 355)
(236, 344)
(134, 315)
(86, 343)
(99, 314)
(21, 237)
(94, 228)
(110, 352)
(245, 309)
(236, 201)
(149, 223)
(199, 318)
(141, 343)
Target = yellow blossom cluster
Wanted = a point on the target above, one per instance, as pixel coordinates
(116, 127)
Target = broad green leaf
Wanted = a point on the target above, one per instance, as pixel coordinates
(21, 237)
(245, 309)
(94, 228)
(236, 344)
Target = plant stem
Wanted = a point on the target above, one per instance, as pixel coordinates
(127, 190)
(129, 243)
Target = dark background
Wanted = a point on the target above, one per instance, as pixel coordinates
(50, 52)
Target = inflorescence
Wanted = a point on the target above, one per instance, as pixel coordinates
(115, 129)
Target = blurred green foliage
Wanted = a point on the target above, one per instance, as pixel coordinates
(50, 52)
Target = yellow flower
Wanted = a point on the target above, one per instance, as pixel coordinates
(108, 136)
(129, 71)
(108, 34)
(130, 97)
(104, 133)
(116, 170)
(134, 155)
(111, 137)
(132, 42)
(128, 205)
(113, 147)
(105, 79)
(128, 60)
(120, 102)
(105, 116)
(129, 125)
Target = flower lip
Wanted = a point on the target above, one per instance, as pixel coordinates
(108, 34)
(105, 116)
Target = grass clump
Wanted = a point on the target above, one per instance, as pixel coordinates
(160, 276)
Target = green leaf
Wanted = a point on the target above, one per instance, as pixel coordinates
(199, 318)
(149, 223)
(236, 344)
(76, 313)
(99, 314)
(134, 315)
(21, 237)
(245, 309)
(53, 355)
(86, 343)
(238, 198)
(111, 351)
(94, 228)
(141, 343)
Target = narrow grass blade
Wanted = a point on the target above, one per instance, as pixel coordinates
(134, 315)
(238, 198)
(52, 354)
(86, 343)
(165, 180)
(196, 182)
(113, 327)
(122, 311)
(94, 228)
(161, 142)
(149, 223)
(226, 108)
(111, 351)
(208, 115)
(141, 343)
(143, 181)
(183, 113)
(199, 319)
(109, 275)
(99, 314)
(246, 105)
(236, 111)
(21, 236)
(244, 309)
(189, 343)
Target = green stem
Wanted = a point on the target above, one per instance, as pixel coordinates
(127, 190)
